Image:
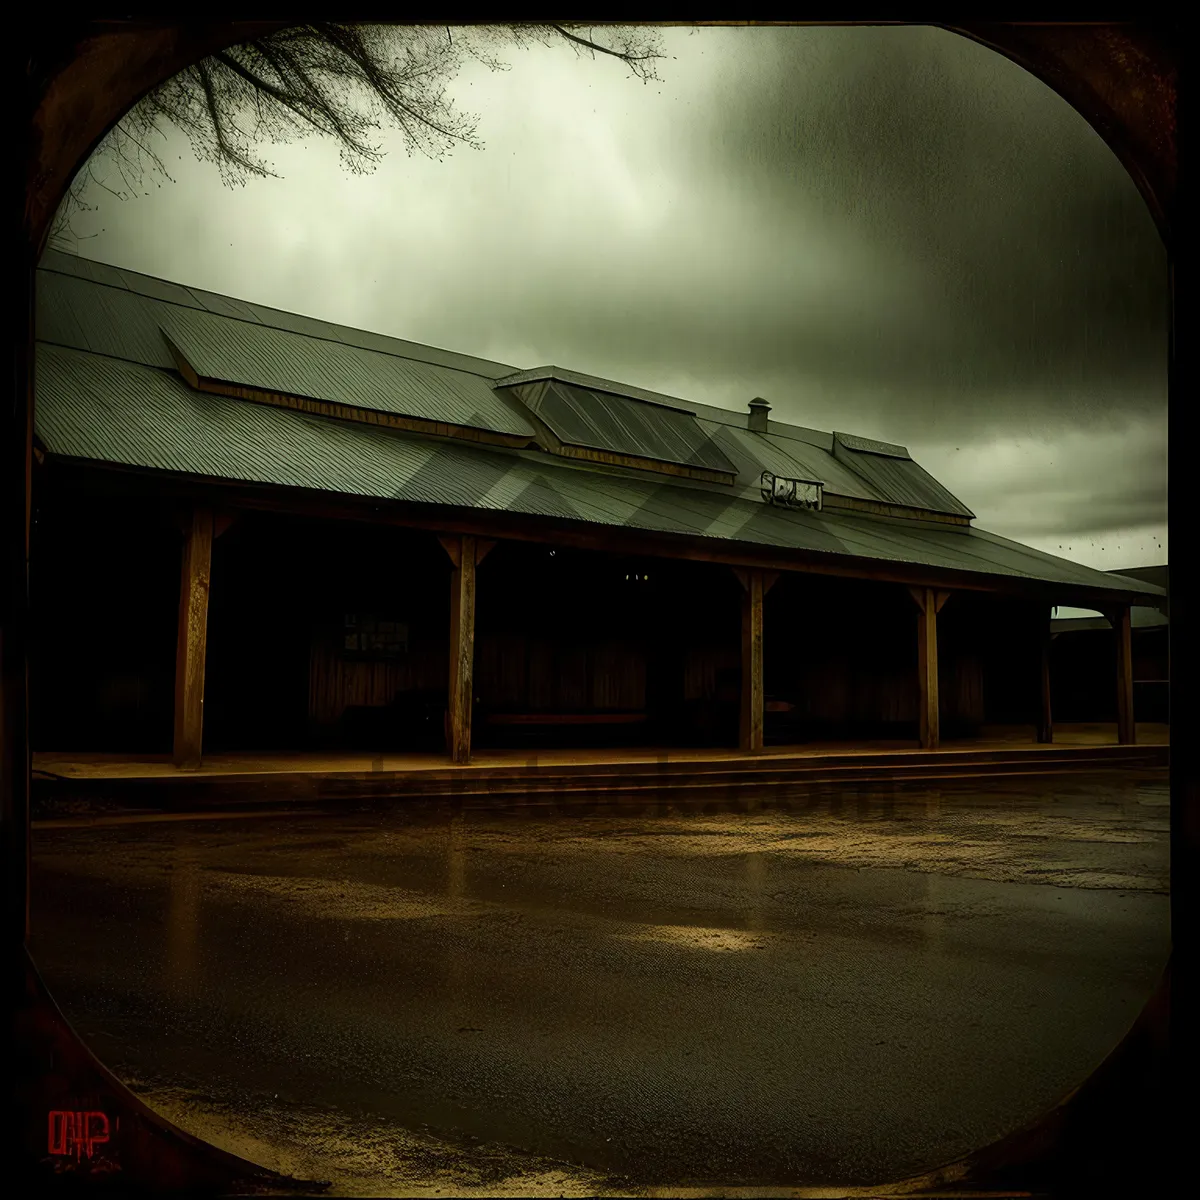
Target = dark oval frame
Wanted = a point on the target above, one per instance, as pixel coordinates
(1115, 1134)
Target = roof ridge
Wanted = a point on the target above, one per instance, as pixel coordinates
(246, 321)
(699, 409)
(594, 383)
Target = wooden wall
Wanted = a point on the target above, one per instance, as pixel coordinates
(336, 682)
(574, 633)
(517, 671)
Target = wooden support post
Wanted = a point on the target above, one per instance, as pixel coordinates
(1045, 729)
(751, 725)
(928, 602)
(464, 554)
(192, 637)
(1126, 728)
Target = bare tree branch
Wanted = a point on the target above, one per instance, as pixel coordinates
(591, 45)
(337, 80)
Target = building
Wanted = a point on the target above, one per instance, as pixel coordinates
(259, 531)
(1082, 659)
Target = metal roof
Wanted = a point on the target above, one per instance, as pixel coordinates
(1160, 575)
(130, 325)
(594, 383)
(98, 408)
(276, 360)
(110, 321)
(1140, 617)
(120, 313)
(894, 477)
(109, 390)
(753, 453)
(54, 264)
(870, 446)
(616, 424)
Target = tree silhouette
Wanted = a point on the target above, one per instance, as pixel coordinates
(339, 80)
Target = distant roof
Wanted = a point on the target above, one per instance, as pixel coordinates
(1158, 575)
(1140, 617)
(113, 344)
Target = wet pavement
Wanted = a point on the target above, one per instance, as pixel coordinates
(827, 986)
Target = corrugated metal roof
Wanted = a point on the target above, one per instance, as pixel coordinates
(124, 324)
(898, 480)
(870, 446)
(120, 313)
(224, 306)
(1159, 575)
(798, 433)
(619, 425)
(817, 464)
(1140, 617)
(158, 289)
(54, 263)
(105, 320)
(415, 350)
(276, 360)
(121, 412)
(753, 454)
(594, 383)
(82, 268)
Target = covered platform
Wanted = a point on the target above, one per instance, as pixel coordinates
(266, 549)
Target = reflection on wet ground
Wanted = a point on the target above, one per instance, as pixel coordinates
(842, 985)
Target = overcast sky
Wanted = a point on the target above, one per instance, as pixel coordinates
(892, 232)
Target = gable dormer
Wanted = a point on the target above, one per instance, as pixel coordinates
(583, 417)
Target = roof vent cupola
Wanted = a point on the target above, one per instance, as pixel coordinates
(757, 421)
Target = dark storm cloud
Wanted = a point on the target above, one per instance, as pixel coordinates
(1104, 489)
(1033, 259)
(987, 259)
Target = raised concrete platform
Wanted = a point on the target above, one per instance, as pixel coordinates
(63, 782)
